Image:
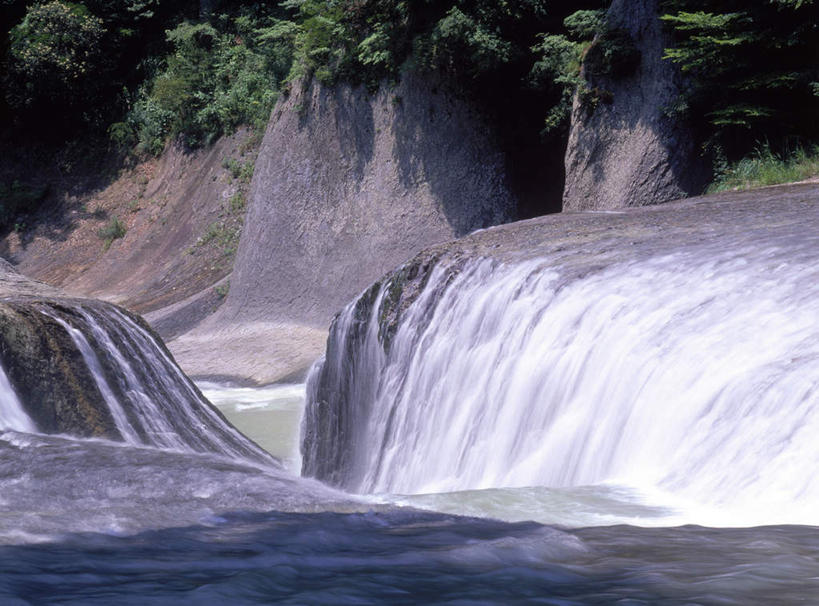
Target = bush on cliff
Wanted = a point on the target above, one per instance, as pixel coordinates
(752, 70)
(54, 59)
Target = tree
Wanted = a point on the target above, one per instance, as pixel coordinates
(54, 58)
(752, 69)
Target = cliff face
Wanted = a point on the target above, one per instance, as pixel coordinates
(623, 150)
(178, 212)
(348, 185)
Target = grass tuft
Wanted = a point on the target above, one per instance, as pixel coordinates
(764, 167)
(114, 230)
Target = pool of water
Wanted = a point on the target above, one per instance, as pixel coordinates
(96, 522)
(268, 415)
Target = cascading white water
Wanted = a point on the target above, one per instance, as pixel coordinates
(117, 412)
(694, 373)
(150, 400)
(12, 415)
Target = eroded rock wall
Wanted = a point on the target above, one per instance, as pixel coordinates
(624, 150)
(349, 185)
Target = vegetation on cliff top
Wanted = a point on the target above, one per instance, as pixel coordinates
(144, 71)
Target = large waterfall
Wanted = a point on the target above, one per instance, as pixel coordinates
(129, 389)
(693, 374)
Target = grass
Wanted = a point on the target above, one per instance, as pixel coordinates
(764, 167)
(237, 202)
(114, 230)
(243, 171)
(224, 234)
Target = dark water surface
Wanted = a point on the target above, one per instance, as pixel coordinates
(405, 557)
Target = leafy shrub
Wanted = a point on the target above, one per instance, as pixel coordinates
(222, 290)
(558, 64)
(215, 79)
(18, 198)
(613, 53)
(459, 43)
(54, 57)
(113, 230)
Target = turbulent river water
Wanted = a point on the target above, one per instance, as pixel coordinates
(98, 522)
(550, 430)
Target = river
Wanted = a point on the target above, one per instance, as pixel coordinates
(585, 428)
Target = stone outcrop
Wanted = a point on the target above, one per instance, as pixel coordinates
(46, 368)
(623, 149)
(347, 185)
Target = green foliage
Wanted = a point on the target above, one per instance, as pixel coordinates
(460, 43)
(751, 69)
(212, 82)
(243, 171)
(122, 135)
(18, 199)
(316, 38)
(765, 167)
(54, 57)
(585, 24)
(237, 202)
(224, 234)
(113, 230)
(706, 38)
(613, 53)
(222, 290)
(558, 64)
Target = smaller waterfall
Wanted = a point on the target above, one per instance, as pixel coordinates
(12, 415)
(88, 368)
(117, 412)
(151, 401)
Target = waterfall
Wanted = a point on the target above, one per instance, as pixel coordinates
(150, 400)
(12, 415)
(694, 373)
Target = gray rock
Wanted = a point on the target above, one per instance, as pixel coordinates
(623, 150)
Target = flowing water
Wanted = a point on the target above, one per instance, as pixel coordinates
(701, 399)
(151, 401)
(562, 424)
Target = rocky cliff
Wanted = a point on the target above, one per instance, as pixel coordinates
(347, 185)
(624, 150)
(180, 216)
